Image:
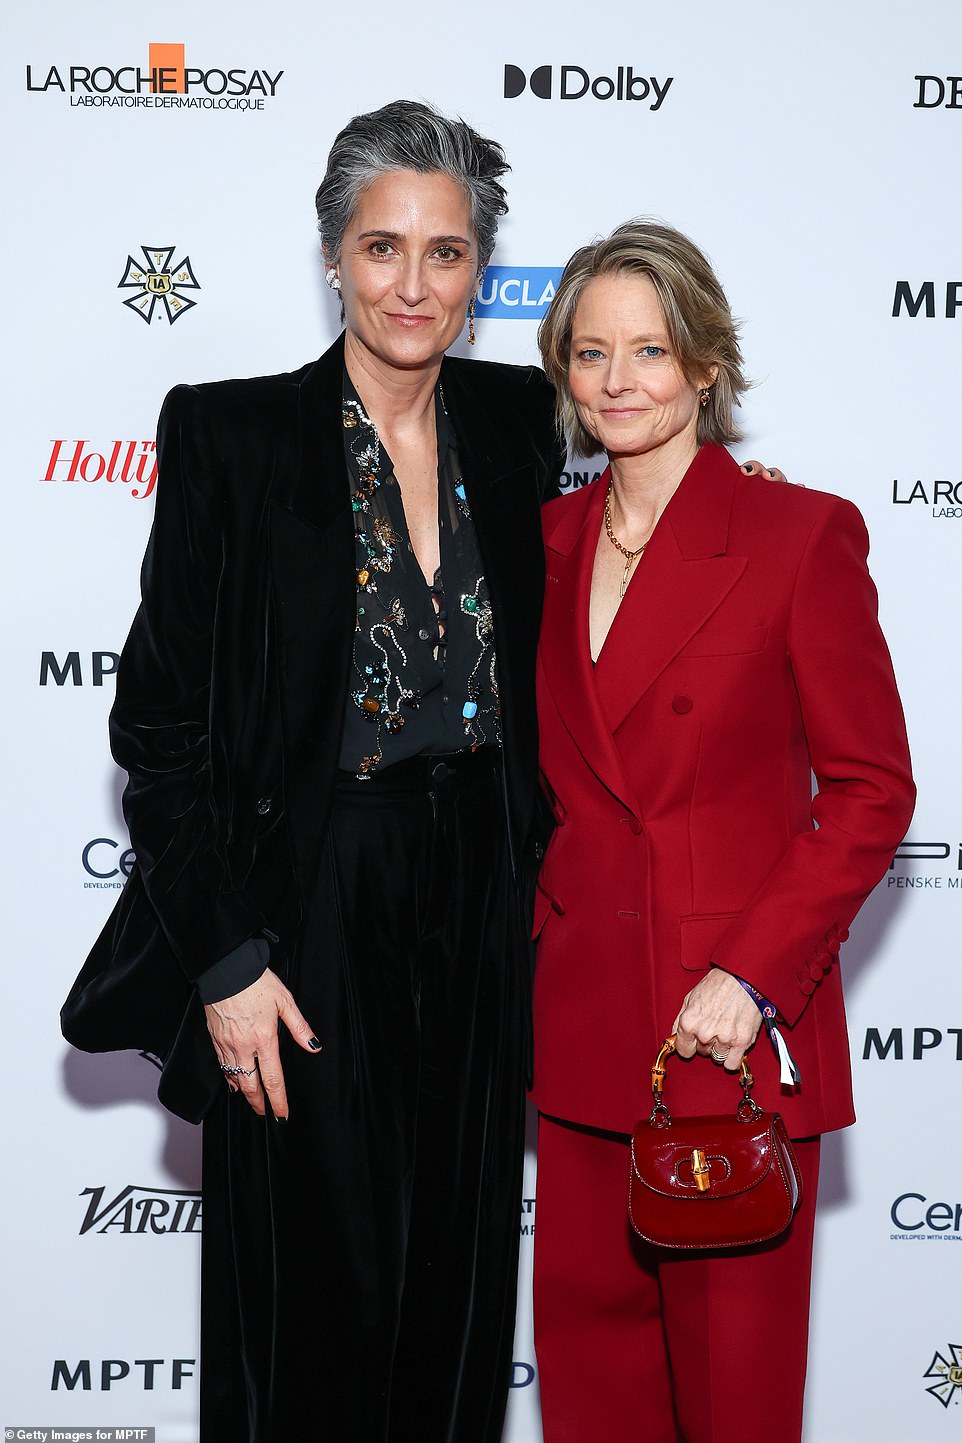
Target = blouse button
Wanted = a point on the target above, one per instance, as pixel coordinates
(424, 634)
(681, 704)
(263, 806)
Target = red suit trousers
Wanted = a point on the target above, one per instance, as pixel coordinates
(641, 1343)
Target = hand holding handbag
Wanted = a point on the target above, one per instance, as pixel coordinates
(711, 1182)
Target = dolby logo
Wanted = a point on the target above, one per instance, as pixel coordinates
(573, 82)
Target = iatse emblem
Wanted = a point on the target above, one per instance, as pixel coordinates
(158, 286)
(948, 1372)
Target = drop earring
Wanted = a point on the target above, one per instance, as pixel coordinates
(472, 310)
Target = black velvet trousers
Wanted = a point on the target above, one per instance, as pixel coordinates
(359, 1260)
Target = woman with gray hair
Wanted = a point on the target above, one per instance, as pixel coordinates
(326, 709)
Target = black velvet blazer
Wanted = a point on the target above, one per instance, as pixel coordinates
(232, 686)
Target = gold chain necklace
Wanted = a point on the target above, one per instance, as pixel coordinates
(630, 556)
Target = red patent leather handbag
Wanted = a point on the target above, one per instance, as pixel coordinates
(711, 1182)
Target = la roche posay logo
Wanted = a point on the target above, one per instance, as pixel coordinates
(573, 82)
(166, 82)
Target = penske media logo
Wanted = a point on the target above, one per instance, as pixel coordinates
(166, 82)
(517, 293)
(158, 286)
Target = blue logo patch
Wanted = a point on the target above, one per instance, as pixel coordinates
(517, 293)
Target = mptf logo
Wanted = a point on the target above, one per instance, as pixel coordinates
(948, 1371)
(922, 299)
(167, 83)
(575, 83)
(102, 663)
(517, 293)
(158, 286)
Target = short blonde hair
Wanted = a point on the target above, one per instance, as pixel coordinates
(701, 329)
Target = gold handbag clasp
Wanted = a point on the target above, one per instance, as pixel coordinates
(700, 1169)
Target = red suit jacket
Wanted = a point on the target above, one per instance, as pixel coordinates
(745, 656)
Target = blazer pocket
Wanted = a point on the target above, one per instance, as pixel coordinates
(700, 934)
(727, 641)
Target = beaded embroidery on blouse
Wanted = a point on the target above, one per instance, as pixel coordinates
(420, 668)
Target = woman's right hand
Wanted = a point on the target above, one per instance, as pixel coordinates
(243, 1029)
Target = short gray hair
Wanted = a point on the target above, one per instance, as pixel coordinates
(407, 135)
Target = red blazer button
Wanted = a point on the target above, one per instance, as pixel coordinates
(681, 704)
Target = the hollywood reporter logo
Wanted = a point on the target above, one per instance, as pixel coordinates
(575, 83)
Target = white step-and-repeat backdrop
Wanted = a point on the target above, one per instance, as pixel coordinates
(813, 150)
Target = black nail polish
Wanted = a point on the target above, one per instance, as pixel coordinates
(313, 1043)
(285, 1120)
(749, 469)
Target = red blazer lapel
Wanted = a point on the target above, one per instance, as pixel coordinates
(682, 578)
(565, 649)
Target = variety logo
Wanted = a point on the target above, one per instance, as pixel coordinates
(575, 83)
(944, 875)
(923, 298)
(167, 83)
(110, 1371)
(917, 1219)
(924, 1039)
(102, 663)
(934, 88)
(158, 287)
(142, 1210)
(948, 1371)
(132, 464)
(108, 863)
(517, 293)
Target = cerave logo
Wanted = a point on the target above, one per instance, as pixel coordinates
(166, 82)
(142, 1211)
(925, 298)
(916, 1218)
(107, 864)
(517, 293)
(158, 286)
(935, 91)
(902, 1043)
(129, 466)
(75, 668)
(573, 82)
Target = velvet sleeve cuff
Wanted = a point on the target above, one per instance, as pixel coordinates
(235, 971)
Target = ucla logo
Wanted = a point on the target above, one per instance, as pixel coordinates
(517, 293)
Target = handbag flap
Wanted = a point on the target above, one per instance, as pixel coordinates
(739, 1155)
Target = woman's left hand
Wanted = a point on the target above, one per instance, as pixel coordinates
(717, 1017)
(755, 468)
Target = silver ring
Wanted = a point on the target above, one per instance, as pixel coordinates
(716, 1056)
(229, 1071)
